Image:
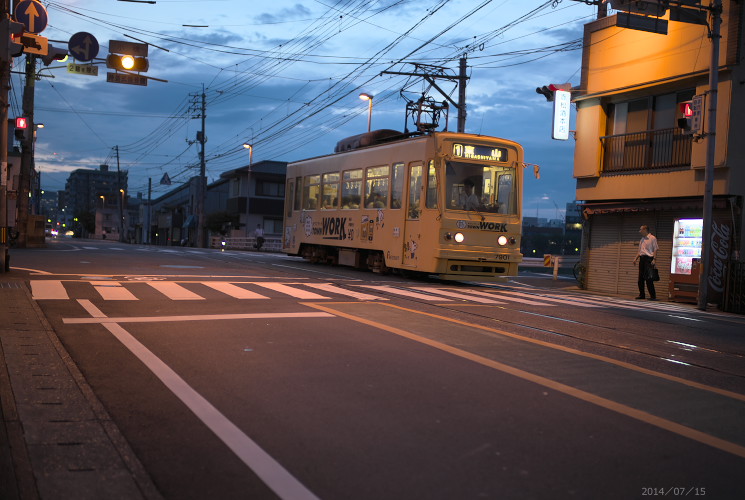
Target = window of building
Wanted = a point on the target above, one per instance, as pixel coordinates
(272, 226)
(235, 187)
(268, 188)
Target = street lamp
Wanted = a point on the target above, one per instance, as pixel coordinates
(250, 154)
(369, 98)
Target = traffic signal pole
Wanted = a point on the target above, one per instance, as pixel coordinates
(703, 284)
(27, 152)
(5, 62)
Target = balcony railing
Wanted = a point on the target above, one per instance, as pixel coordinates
(648, 150)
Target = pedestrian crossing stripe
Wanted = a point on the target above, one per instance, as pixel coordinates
(254, 290)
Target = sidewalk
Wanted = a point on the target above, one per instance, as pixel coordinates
(56, 439)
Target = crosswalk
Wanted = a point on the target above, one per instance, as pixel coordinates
(114, 290)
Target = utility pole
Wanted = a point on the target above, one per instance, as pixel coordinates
(202, 189)
(27, 152)
(462, 79)
(5, 63)
(146, 231)
(119, 195)
(703, 283)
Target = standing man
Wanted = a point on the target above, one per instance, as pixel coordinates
(259, 237)
(646, 257)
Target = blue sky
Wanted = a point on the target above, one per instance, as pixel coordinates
(286, 76)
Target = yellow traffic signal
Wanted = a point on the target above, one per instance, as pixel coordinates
(126, 62)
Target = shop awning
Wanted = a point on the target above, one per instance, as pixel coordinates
(592, 208)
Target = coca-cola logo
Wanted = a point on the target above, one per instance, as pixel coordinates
(719, 255)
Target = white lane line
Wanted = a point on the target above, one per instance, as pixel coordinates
(194, 317)
(276, 477)
(109, 290)
(457, 295)
(292, 292)
(90, 248)
(330, 287)
(405, 293)
(48, 290)
(233, 290)
(174, 291)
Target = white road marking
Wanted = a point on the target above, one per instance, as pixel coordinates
(330, 287)
(233, 290)
(174, 291)
(457, 295)
(193, 317)
(48, 290)
(276, 477)
(567, 301)
(405, 293)
(112, 290)
(292, 292)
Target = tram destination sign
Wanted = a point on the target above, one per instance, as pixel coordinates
(475, 152)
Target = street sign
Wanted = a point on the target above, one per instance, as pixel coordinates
(165, 180)
(697, 118)
(83, 46)
(82, 69)
(562, 109)
(32, 15)
(131, 48)
(126, 78)
(34, 44)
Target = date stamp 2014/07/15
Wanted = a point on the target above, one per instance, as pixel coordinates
(674, 491)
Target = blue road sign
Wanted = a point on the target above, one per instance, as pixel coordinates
(32, 15)
(83, 46)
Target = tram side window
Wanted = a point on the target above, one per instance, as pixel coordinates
(415, 191)
(351, 188)
(376, 187)
(312, 192)
(397, 186)
(330, 190)
(298, 202)
(431, 185)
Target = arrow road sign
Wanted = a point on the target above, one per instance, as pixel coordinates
(83, 46)
(32, 15)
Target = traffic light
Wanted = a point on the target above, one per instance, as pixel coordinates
(54, 54)
(9, 47)
(126, 62)
(21, 131)
(547, 91)
(686, 110)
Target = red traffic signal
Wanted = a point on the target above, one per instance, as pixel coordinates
(21, 122)
(547, 91)
(686, 109)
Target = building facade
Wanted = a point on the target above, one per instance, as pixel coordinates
(636, 164)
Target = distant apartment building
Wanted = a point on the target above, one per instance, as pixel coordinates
(636, 164)
(88, 189)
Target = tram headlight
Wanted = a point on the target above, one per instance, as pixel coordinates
(459, 237)
(502, 240)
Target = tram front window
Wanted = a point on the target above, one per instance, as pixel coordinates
(480, 188)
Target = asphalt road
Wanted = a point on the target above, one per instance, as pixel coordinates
(253, 375)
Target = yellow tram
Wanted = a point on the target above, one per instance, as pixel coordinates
(444, 203)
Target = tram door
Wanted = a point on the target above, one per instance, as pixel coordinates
(412, 229)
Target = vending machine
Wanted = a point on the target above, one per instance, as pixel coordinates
(687, 240)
